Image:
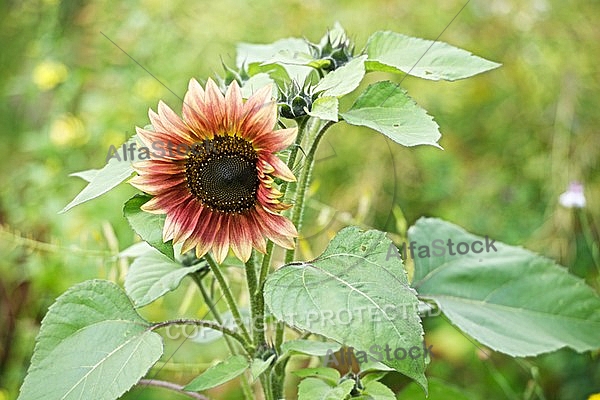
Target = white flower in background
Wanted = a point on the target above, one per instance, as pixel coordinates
(573, 197)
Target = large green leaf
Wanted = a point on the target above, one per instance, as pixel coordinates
(219, 373)
(354, 295)
(148, 225)
(506, 297)
(326, 108)
(293, 54)
(386, 107)
(394, 52)
(344, 79)
(336, 84)
(92, 345)
(116, 170)
(153, 275)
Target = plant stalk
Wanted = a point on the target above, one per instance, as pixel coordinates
(228, 297)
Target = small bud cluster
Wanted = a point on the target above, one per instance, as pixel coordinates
(240, 76)
(296, 100)
(338, 50)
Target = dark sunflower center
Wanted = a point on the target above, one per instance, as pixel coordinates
(222, 174)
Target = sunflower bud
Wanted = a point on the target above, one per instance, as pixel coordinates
(337, 50)
(240, 76)
(294, 100)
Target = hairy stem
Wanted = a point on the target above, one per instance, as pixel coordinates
(206, 324)
(256, 304)
(277, 377)
(303, 183)
(208, 300)
(171, 386)
(228, 297)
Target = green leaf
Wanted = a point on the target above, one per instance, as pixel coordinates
(374, 366)
(393, 52)
(218, 374)
(313, 388)
(325, 108)
(255, 83)
(153, 275)
(259, 366)
(344, 79)
(329, 375)
(438, 390)
(310, 347)
(114, 172)
(292, 53)
(87, 175)
(330, 295)
(135, 250)
(148, 225)
(372, 376)
(377, 391)
(506, 297)
(386, 108)
(277, 73)
(92, 345)
(336, 84)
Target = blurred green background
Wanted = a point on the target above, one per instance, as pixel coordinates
(514, 138)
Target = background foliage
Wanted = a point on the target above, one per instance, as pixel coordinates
(513, 139)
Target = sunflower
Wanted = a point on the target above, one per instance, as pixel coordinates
(214, 174)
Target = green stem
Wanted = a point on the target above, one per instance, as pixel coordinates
(171, 386)
(266, 261)
(303, 183)
(217, 316)
(277, 377)
(207, 324)
(267, 388)
(228, 296)
(302, 123)
(256, 304)
(266, 265)
(251, 274)
(589, 238)
(211, 306)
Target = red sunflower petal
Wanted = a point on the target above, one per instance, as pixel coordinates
(277, 228)
(157, 183)
(220, 246)
(166, 202)
(260, 114)
(240, 237)
(159, 167)
(214, 108)
(275, 140)
(193, 111)
(234, 107)
(173, 124)
(204, 233)
(182, 223)
(280, 169)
